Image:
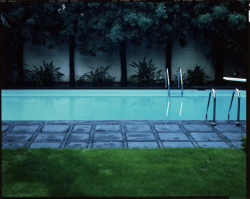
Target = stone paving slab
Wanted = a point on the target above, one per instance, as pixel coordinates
(173, 136)
(3, 135)
(167, 128)
(12, 145)
(49, 137)
(17, 137)
(137, 128)
(107, 128)
(5, 128)
(55, 128)
(213, 144)
(177, 144)
(140, 136)
(107, 145)
(108, 136)
(205, 137)
(78, 137)
(228, 127)
(244, 125)
(234, 136)
(76, 145)
(121, 134)
(142, 145)
(197, 127)
(54, 145)
(237, 144)
(24, 129)
(81, 129)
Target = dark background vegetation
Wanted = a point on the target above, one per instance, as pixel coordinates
(105, 26)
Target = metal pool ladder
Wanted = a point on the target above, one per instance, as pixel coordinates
(180, 80)
(238, 111)
(167, 82)
(214, 108)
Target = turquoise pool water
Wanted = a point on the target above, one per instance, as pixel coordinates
(117, 104)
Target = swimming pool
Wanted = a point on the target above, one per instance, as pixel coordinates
(117, 104)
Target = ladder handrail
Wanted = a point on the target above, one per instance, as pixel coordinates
(214, 108)
(180, 79)
(238, 111)
(167, 81)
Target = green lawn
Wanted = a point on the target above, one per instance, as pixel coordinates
(124, 172)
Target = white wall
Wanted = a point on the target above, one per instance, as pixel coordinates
(136, 53)
(187, 57)
(83, 62)
(192, 54)
(34, 55)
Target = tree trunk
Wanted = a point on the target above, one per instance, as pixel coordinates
(20, 61)
(219, 54)
(219, 69)
(123, 64)
(72, 61)
(169, 58)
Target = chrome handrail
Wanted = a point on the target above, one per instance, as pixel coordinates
(214, 108)
(180, 79)
(167, 81)
(238, 111)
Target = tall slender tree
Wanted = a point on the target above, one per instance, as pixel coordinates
(171, 23)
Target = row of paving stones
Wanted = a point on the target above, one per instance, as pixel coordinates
(121, 134)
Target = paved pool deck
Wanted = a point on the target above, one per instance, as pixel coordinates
(121, 134)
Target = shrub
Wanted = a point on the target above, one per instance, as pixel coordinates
(97, 77)
(144, 72)
(196, 77)
(158, 79)
(244, 144)
(44, 75)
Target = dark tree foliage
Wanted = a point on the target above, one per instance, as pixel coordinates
(27, 21)
(105, 26)
(225, 24)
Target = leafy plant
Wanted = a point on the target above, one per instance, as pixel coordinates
(144, 72)
(97, 77)
(196, 77)
(44, 75)
(158, 79)
(244, 144)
